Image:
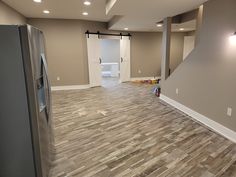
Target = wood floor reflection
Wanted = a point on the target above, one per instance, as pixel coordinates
(126, 131)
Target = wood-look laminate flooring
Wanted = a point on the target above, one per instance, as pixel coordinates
(126, 131)
(110, 82)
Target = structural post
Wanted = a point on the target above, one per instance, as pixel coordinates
(165, 63)
(199, 24)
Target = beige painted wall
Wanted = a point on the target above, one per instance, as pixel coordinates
(66, 48)
(206, 79)
(10, 16)
(146, 53)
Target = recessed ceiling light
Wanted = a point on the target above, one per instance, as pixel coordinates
(38, 1)
(233, 39)
(87, 3)
(126, 29)
(85, 13)
(181, 29)
(46, 11)
(159, 25)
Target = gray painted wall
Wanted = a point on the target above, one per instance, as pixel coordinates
(146, 53)
(67, 50)
(176, 50)
(206, 79)
(66, 47)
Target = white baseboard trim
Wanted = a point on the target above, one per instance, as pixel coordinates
(226, 132)
(70, 87)
(143, 78)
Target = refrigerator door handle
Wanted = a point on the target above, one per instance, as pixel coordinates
(48, 102)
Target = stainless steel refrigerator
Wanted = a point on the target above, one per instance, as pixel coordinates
(26, 136)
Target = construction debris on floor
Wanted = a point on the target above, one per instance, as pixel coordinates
(157, 90)
(157, 82)
(149, 81)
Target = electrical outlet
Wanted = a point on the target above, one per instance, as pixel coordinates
(177, 91)
(58, 78)
(139, 71)
(229, 112)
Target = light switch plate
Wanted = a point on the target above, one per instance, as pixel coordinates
(177, 91)
(229, 112)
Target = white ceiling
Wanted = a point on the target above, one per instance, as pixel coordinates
(188, 26)
(61, 9)
(142, 15)
(137, 15)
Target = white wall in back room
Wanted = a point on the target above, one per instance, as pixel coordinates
(110, 50)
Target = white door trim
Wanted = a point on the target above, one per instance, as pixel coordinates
(94, 60)
(125, 66)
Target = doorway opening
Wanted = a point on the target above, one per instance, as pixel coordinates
(110, 62)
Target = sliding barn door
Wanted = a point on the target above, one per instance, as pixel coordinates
(125, 59)
(94, 60)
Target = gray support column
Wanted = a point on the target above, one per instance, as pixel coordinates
(199, 24)
(165, 63)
